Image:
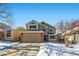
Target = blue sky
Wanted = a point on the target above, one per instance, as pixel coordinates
(51, 13)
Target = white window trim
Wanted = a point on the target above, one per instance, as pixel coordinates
(33, 24)
(11, 33)
(52, 30)
(49, 37)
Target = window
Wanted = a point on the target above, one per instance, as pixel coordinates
(52, 37)
(9, 33)
(45, 30)
(51, 30)
(33, 26)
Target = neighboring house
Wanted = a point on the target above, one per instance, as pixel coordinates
(5, 31)
(48, 30)
(17, 33)
(73, 35)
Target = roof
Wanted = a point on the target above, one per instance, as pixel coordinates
(1, 30)
(4, 25)
(32, 32)
(32, 22)
(46, 24)
(41, 23)
(19, 28)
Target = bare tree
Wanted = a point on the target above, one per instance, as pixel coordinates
(6, 14)
(63, 26)
(74, 23)
(67, 25)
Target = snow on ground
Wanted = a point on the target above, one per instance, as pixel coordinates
(7, 43)
(56, 49)
(21, 49)
(4, 45)
(48, 49)
(1, 48)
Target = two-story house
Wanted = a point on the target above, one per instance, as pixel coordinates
(5, 31)
(48, 29)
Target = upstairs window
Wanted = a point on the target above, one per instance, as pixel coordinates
(33, 26)
(45, 30)
(51, 30)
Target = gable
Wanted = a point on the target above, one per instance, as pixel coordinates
(46, 24)
(32, 22)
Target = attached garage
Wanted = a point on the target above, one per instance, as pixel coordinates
(32, 37)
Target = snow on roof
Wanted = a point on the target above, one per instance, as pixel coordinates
(1, 30)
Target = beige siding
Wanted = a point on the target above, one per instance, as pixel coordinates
(71, 38)
(31, 37)
(17, 33)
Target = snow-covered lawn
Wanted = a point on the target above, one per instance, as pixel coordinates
(46, 49)
(4, 45)
(56, 49)
(19, 49)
